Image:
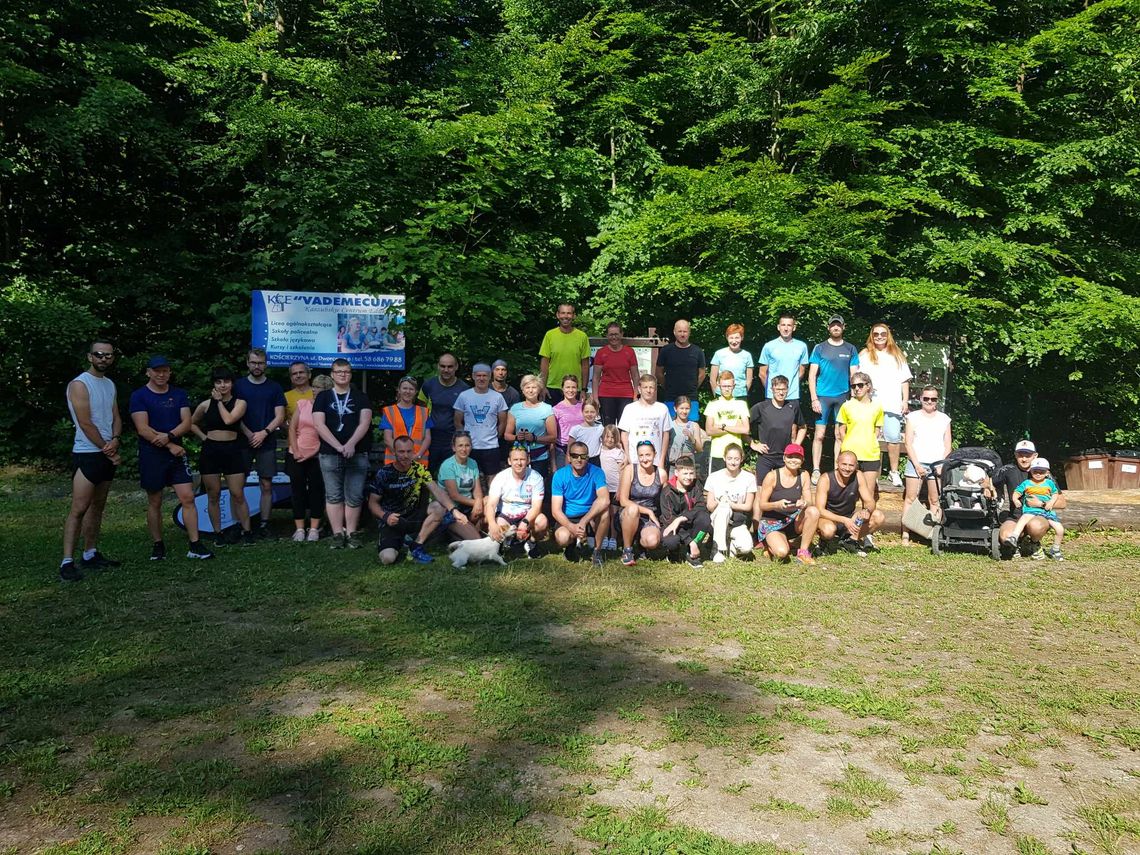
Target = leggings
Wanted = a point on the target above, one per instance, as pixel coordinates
(308, 489)
(612, 409)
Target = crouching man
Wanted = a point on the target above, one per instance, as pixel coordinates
(400, 497)
(580, 501)
(840, 527)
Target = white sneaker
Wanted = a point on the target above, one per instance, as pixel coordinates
(299, 536)
(814, 477)
(719, 558)
(314, 535)
(895, 479)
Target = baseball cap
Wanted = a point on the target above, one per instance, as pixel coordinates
(157, 361)
(836, 319)
(793, 449)
(1025, 445)
(1039, 463)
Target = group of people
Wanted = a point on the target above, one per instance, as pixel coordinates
(487, 459)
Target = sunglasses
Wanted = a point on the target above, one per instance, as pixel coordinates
(858, 385)
(879, 335)
(578, 456)
(98, 354)
(930, 400)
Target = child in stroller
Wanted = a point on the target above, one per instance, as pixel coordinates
(968, 502)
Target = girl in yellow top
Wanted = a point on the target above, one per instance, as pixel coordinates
(860, 422)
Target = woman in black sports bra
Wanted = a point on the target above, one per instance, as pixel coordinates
(216, 422)
(785, 508)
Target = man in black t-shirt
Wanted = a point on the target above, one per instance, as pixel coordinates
(342, 416)
(1008, 478)
(775, 423)
(681, 370)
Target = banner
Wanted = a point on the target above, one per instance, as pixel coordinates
(316, 327)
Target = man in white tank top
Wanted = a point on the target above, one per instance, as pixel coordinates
(94, 456)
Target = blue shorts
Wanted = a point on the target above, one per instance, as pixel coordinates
(159, 468)
(892, 427)
(829, 409)
(694, 410)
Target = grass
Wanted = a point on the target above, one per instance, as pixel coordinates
(296, 699)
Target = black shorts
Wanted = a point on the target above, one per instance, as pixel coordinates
(870, 465)
(221, 457)
(159, 468)
(263, 459)
(95, 466)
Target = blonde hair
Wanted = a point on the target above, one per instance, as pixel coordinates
(322, 382)
(892, 348)
(612, 435)
(526, 380)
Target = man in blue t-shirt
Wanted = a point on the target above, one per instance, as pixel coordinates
(829, 381)
(161, 416)
(784, 356)
(580, 501)
(264, 416)
(439, 393)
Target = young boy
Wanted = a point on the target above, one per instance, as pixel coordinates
(1037, 495)
(683, 513)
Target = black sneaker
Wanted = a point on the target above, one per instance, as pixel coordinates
(218, 538)
(695, 561)
(199, 551)
(248, 538)
(352, 540)
(68, 572)
(263, 532)
(158, 551)
(1008, 548)
(99, 561)
(853, 547)
(597, 559)
(571, 553)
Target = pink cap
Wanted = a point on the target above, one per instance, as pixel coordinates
(793, 449)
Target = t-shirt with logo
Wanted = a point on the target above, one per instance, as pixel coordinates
(784, 359)
(723, 411)
(163, 411)
(642, 421)
(481, 416)
(400, 492)
(515, 497)
(578, 492)
(342, 416)
(835, 362)
(463, 474)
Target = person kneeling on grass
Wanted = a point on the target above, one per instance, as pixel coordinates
(785, 510)
(730, 494)
(683, 512)
(639, 492)
(579, 502)
(835, 496)
(514, 500)
(399, 497)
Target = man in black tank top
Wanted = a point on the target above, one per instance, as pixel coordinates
(835, 498)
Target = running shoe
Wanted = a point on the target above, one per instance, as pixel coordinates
(803, 556)
(264, 533)
(814, 477)
(1054, 552)
(853, 547)
(627, 557)
(1037, 554)
(158, 551)
(419, 555)
(199, 551)
(869, 544)
(68, 572)
(597, 559)
(719, 557)
(314, 535)
(299, 536)
(695, 561)
(99, 561)
(895, 479)
(337, 540)
(248, 538)
(352, 540)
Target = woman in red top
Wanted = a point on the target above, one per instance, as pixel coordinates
(615, 375)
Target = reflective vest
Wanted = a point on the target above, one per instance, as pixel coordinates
(396, 420)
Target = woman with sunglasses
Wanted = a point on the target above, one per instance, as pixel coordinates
(640, 494)
(860, 424)
(885, 363)
(928, 440)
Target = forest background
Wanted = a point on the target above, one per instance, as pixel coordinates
(966, 171)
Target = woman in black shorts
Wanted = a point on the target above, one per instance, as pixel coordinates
(216, 422)
(784, 506)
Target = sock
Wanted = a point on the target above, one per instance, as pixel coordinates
(65, 562)
(88, 554)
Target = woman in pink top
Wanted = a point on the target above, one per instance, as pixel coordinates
(568, 414)
(615, 375)
(305, 481)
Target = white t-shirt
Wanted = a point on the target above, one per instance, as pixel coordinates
(928, 435)
(724, 487)
(645, 422)
(887, 377)
(481, 416)
(515, 496)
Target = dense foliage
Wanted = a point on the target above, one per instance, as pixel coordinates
(963, 169)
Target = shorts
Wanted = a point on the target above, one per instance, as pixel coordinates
(911, 472)
(344, 478)
(488, 461)
(870, 465)
(644, 522)
(95, 466)
(221, 457)
(893, 427)
(161, 469)
(829, 408)
(694, 409)
(263, 460)
(766, 463)
(392, 536)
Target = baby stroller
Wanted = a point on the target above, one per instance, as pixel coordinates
(969, 517)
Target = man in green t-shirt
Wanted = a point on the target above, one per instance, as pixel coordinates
(564, 350)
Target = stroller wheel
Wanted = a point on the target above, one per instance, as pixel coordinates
(995, 545)
(936, 540)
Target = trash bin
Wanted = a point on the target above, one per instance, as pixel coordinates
(1124, 470)
(1089, 470)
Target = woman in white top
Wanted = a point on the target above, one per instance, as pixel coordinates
(886, 365)
(928, 440)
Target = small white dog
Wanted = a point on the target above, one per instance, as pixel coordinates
(464, 552)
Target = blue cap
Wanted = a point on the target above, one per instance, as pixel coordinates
(157, 361)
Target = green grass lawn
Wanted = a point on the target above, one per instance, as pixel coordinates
(289, 698)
